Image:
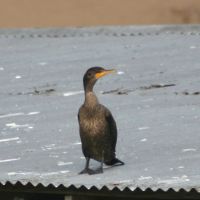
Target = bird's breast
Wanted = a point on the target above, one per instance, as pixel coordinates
(92, 123)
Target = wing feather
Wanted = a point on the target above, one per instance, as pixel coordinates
(113, 129)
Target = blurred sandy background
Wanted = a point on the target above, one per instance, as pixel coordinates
(62, 13)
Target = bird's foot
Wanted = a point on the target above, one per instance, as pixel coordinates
(87, 171)
(96, 171)
(91, 171)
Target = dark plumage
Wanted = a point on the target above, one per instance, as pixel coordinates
(98, 129)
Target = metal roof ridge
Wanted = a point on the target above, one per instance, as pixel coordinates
(29, 184)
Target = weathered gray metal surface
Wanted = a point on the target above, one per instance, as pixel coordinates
(155, 100)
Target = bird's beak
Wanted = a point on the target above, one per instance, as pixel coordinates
(105, 72)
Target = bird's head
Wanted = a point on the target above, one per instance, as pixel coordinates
(93, 74)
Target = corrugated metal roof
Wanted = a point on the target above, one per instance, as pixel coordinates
(155, 100)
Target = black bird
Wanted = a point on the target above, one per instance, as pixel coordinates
(98, 130)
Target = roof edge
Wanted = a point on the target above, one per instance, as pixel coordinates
(24, 186)
(131, 30)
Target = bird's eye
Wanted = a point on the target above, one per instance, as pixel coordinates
(89, 74)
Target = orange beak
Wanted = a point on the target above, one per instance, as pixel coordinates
(105, 72)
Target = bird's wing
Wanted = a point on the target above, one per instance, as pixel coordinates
(113, 129)
(82, 136)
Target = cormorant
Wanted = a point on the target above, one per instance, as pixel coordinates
(98, 130)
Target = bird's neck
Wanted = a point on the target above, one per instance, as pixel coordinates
(90, 99)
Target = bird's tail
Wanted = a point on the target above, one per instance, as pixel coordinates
(114, 161)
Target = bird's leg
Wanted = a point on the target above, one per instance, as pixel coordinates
(84, 171)
(99, 170)
(87, 170)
